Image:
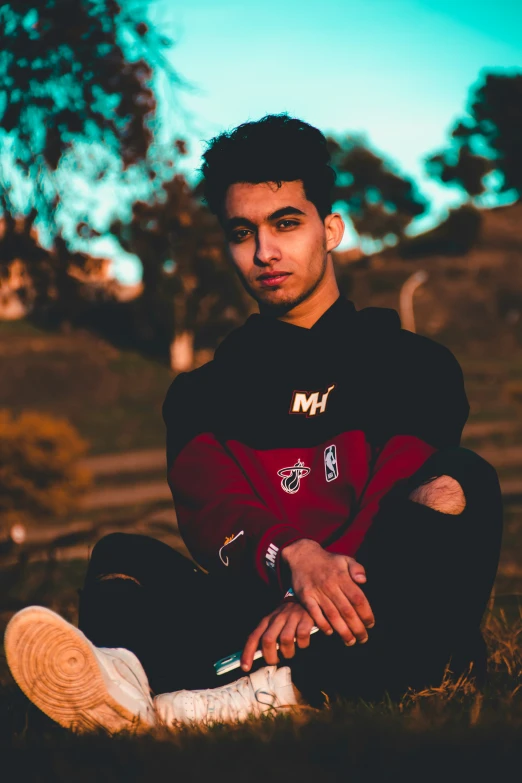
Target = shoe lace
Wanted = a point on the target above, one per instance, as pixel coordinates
(231, 702)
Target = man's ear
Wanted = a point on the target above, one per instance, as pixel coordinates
(334, 227)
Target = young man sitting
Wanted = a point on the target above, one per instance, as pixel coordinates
(318, 479)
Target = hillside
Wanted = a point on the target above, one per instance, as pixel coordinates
(471, 302)
(113, 397)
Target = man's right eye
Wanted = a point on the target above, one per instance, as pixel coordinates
(238, 236)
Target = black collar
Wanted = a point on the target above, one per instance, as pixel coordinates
(341, 310)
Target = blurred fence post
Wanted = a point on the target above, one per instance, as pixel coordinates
(406, 298)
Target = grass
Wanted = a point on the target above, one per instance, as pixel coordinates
(450, 732)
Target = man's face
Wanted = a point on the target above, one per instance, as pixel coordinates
(277, 241)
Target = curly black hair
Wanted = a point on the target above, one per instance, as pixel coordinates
(276, 148)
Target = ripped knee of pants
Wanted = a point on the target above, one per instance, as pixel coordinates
(104, 577)
(442, 493)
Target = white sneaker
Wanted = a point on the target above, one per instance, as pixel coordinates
(267, 689)
(80, 686)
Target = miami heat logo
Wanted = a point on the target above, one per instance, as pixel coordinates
(292, 477)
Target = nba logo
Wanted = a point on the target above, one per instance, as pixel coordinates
(330, 463)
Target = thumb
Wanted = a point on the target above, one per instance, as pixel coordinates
(356, 570)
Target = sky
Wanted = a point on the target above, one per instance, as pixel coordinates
(398, 71)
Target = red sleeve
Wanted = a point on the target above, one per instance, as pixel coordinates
(221, 519)
(398, 459)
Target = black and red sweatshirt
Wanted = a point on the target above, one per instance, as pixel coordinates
(293, 433)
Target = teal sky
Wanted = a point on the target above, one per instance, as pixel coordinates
(398, 71)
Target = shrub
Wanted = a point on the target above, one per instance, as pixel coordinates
(40, 474)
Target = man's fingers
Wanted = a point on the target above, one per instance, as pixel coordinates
(358, 600)
(356, 570)
(350, 616)
(303, 630)
(252, 644)
(336, 621)
(271, 637)
(288, 634)
(313, 608)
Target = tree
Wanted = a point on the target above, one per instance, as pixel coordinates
(488, 140)
(75, 96)
(191, 297)
(454, 236)
(460, 167)
(380, 201)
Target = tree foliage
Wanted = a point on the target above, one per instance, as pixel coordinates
(489, 139)
(75, 79)
(454, 236)
(189, 286)
(77, 101)
(380, 201)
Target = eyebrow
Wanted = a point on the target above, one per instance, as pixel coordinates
(279, 213)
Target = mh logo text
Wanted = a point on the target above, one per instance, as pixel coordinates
(310, 403)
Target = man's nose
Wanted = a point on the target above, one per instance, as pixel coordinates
(267, 248)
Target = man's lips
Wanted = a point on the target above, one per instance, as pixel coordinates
(273, 278)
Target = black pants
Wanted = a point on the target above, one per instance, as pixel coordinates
(429, 577)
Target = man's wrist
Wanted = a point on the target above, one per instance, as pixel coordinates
(268, 554)
(290, 550)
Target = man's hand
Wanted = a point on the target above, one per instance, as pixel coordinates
(325, 586)
(288, 622)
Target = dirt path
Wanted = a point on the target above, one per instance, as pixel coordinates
(127, 462)
(503, 456)
(126, 495)
(77, 537)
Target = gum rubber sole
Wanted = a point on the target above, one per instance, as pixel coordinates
(55, 666)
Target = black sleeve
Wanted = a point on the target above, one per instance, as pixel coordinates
(187, 409)
(425, 394)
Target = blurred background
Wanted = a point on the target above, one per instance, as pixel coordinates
(113, 274)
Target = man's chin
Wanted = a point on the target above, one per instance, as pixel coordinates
(276, 303)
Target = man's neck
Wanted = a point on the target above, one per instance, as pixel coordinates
(311, 309)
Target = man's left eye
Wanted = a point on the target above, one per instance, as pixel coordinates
(288, 223)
